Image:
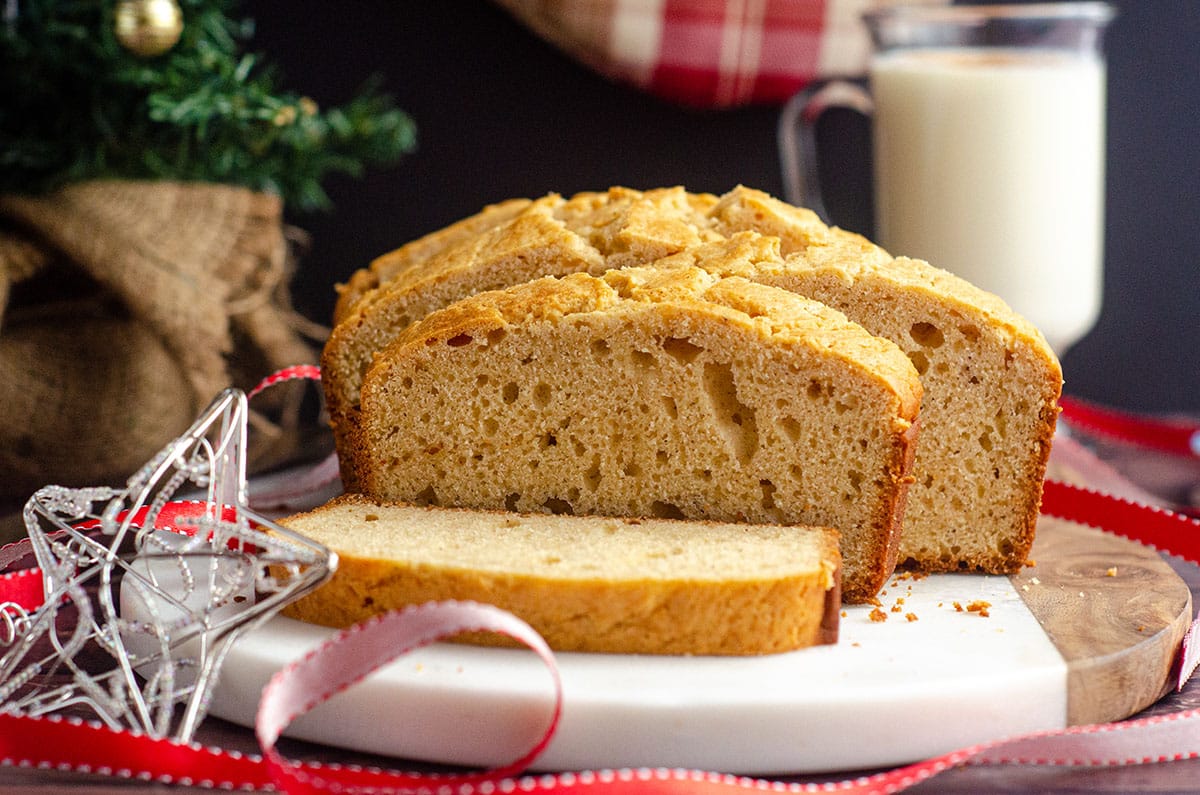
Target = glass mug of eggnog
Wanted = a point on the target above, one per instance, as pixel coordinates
(988, 146)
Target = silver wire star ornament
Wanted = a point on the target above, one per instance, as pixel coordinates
(144, 592)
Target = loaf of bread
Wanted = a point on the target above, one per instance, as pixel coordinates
(650, 392)
(638, 586)
(991, 381)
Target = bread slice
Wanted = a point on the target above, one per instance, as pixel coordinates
(988, 418)
(504, 245)
(991, 382)
(638, 586)
(649, 392)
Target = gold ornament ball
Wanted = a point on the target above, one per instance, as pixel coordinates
(148, 27)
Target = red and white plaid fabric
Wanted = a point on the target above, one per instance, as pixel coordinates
(707, 53)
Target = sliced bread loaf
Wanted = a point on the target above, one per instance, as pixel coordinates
(991, 381)
(649, 392)
(637, 586)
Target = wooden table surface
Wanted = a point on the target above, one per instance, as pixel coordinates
(1168, 777)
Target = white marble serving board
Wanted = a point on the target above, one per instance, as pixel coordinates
(887, 693)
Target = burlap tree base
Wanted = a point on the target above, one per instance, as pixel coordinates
(124, 308)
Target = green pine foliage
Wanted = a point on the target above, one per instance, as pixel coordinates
(76, 105)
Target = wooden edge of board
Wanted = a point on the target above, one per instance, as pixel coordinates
(1115, 610)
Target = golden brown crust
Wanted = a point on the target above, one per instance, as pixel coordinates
(737, 608)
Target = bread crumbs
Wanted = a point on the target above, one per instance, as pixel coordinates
(910, 617)
(979, 606)
(877, 615)
(1112, 572)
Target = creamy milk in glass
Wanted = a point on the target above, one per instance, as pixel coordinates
(990, 163)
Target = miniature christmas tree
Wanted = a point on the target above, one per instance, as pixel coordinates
(161, 89)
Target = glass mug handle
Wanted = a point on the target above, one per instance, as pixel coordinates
(797, 137)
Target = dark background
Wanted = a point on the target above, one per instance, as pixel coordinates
(500, 113)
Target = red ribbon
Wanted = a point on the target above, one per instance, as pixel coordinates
(308, 372)
(1164, 530)
(352, 654)
(84, 747)
(22, 588)
(56, 743)
(1178, 437)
